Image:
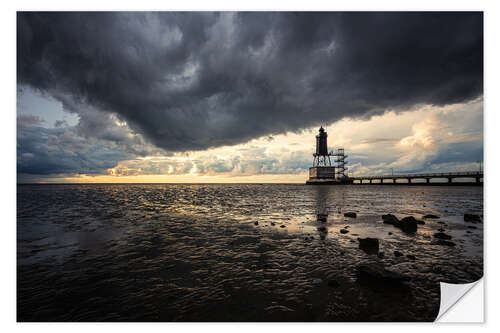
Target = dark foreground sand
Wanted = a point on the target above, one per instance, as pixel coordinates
(238, 252)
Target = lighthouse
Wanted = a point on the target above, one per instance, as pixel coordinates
(322, 171)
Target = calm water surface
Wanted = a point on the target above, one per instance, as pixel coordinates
(235, 252)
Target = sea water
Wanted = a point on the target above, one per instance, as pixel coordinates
(237, 252)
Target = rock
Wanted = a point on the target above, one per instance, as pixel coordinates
(430, 216)
(256, 223)
(390, 219)
(350, 214)
(377, 274)
(333, 283)
(273, 224)
(445, 242)
(346, 227)
(441, 230)
(322, 229)
(322, 217)
(471, 218)
(343, 231)
(442, 235)
(397, 254)
(369, 245)
(472, 227)
(389, 233)
(408, 224)
(410, 256)
(380, 254)
(282, 226)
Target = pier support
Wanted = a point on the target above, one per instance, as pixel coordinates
(409, 180)
(370, 181)
(427, 180)
(450, 180)
(478, 180)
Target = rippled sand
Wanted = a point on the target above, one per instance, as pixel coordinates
(236, 252)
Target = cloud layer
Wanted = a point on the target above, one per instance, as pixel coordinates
(191, 81)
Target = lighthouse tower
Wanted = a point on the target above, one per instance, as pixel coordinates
(322, 156)
(322, 171)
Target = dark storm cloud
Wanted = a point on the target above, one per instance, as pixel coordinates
(60, 150)
(189, 81)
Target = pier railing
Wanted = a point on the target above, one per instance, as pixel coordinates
(476, 175)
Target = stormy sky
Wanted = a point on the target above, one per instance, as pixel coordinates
(241, 94)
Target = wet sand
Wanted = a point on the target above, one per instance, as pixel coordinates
(237, 252)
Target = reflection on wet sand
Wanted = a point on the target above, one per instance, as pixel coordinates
(240, 252)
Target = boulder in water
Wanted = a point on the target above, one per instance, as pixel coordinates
(397, 254)
(369, 245)
(350, 214)
(333, 283)
(322, 217)
(445, 242)
(408, 224)
(344, 231)
(442, 235)
(472, 218)
(430, 216)
(390, 219)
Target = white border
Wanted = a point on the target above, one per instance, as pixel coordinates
(8, 198)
